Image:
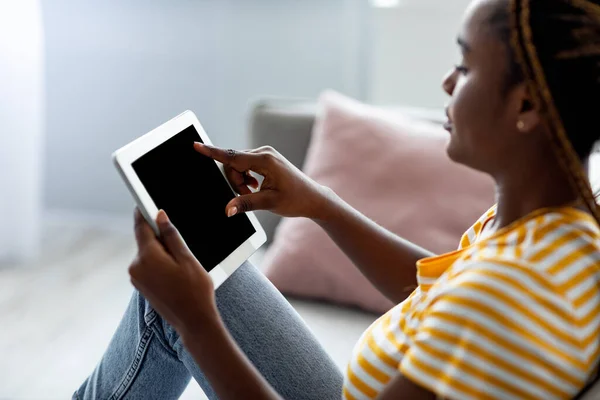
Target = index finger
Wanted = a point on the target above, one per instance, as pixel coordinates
(238, 160)
(144, 235)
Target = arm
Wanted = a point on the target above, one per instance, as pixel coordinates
(229, 371)
(387, 260)
(181, 291)
(233, 377)
(168, 275)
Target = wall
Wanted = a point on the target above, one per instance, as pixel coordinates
(116, 69)
(412, 47)
(21, 128)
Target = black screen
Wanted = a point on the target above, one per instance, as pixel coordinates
(193, 192)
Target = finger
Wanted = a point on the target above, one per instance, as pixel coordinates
(249, 180)
(136, 274)
(144, 235)
(240, 160)
(237, 180)
(172, 239)
(135, 282)
(250, 202)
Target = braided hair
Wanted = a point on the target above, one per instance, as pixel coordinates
(555, 49)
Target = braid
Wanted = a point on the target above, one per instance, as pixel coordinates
(527, 56)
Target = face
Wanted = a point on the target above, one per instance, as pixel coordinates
(482, 115)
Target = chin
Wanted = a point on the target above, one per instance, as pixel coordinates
(453, 151)
(459, 155)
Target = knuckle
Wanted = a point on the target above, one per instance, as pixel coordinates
(267, 158)
(267, 151)
(231, 154)
(145, 254)
(134, 267)
(245, 204)
(270, 150)
(169, 230)
(138, 220)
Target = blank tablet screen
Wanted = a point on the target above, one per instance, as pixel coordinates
(193, 192)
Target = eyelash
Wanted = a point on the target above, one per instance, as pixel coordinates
(462, 69)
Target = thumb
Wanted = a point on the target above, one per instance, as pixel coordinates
(171, 238)
(250, 202)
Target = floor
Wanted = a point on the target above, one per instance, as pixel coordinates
(58, 315)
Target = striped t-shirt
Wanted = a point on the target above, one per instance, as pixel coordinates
(512, 315)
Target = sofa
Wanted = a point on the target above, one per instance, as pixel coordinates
(286, 124)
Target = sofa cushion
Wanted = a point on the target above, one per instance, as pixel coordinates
(392, 168)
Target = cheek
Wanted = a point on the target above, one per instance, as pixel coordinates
(465, 103)
(473, 111)
(472, 108)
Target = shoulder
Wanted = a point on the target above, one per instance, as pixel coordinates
(564, 247)
(552, 245)
(471, 235)
(568, 230)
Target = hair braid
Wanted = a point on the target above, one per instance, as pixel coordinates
(527, 57)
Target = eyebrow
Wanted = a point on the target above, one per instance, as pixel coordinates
(463, 45)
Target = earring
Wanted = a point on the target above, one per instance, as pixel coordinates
(521, 126)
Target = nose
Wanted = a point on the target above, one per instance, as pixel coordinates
(449, 82)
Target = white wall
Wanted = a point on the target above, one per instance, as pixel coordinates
(413, 46)
(116, 69)
(21, 127)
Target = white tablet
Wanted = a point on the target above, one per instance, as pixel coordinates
(163, 171)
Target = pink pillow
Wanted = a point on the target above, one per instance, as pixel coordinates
(394, 170)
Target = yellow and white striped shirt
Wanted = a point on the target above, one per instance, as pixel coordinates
(512, 315)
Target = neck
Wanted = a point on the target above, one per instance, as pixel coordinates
(529, 189)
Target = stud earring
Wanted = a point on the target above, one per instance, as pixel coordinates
(521, 126)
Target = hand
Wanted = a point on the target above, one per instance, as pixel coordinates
(286, 190)
(170, 277)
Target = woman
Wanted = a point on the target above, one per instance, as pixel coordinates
(514, 313)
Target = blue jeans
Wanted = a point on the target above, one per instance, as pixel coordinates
(146, 359)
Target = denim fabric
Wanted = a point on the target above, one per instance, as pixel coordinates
(146, 359)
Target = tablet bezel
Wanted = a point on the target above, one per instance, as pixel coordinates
(123, 160)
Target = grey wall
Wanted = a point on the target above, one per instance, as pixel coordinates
(412, 47)
(116, 69)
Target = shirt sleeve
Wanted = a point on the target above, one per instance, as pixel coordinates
(499, 333)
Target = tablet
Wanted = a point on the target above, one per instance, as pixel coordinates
(163, 171)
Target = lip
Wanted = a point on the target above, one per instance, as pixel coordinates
(449, 126)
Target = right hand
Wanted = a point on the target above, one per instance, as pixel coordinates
(286, 190)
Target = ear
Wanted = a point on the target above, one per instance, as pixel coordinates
(528, 116)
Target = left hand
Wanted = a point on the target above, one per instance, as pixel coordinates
(169, 276)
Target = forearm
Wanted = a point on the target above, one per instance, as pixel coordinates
(228, 370)
(386, 259)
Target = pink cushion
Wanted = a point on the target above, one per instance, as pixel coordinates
(394, 170)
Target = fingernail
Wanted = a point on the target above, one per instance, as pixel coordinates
(232, 211)
(162, 217)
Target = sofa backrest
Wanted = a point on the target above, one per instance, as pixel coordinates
(286, 125)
